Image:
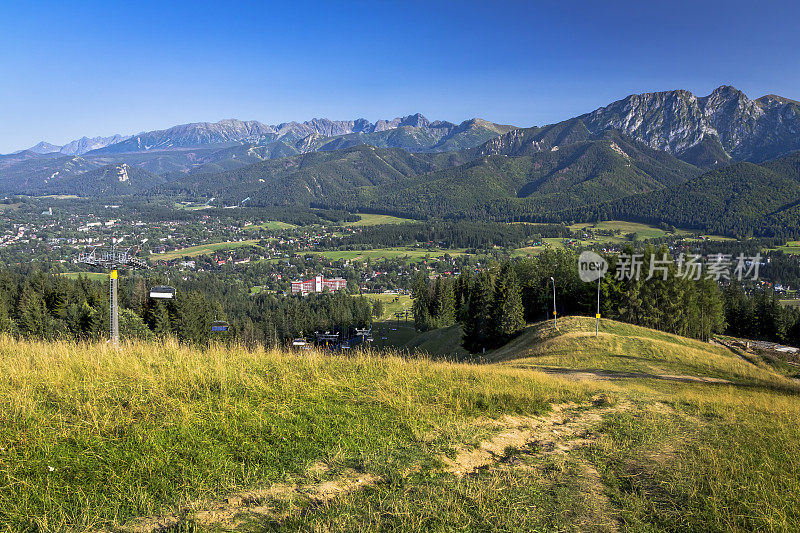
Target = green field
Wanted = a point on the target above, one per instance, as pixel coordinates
(411, 253)
(191, 206)
(374, 220)
(630, 430)
(791, 248)
(442, 343)
(270, 225)
(644, 231)
(94, 276)
(194, 251)
(392, 303)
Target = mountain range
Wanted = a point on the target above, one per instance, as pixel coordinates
(624, 159)
(305, 136)
(78, 146)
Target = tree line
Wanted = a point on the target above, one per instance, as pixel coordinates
(452, 234)
(494, 303)
(35, 304)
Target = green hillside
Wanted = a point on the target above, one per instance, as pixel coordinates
(741, 199)
(303, 178)
(622, 350)
(530, 183)
(632, 430)
(109, 180)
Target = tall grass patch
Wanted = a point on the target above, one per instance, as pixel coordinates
(94, 434)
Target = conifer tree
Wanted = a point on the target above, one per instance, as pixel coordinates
(478, 328)
(508, 313)
(421, 307)
(444, 313)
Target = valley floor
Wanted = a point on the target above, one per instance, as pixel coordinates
(630, 430)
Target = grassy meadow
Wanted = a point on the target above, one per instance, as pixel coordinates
(583, 433)
(194, 251)
(375, 220)
(412, 254)
(271, 225)
(94, 276)
(625, 231)
(94, 435)
(392, 303)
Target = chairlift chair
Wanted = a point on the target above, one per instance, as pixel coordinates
(219, 325)
(162, 292)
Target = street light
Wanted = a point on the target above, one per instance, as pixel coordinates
(555, 318)
(597, 315)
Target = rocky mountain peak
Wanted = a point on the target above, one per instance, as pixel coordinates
(416, 120)
(677, 121)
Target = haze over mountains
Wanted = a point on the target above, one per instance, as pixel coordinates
(632, 152)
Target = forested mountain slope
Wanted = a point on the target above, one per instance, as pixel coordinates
(741, 199)
(530, 181)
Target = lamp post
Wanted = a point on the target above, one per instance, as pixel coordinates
(597, 316)
(555, 314)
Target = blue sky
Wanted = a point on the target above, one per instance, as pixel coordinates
(70, 69)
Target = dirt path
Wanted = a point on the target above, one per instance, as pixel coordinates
(591, 373)
(270, 503)
(566, 427)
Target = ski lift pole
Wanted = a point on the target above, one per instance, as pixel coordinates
(113, 278)
(112, 261)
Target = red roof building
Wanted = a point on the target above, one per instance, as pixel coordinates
(317, 284)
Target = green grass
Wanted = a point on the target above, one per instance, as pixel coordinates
(791, 248)
(392, 303)
(542, 497)
(411, 253)
(624, 348)
(191, 206)
(9, 207)
(374, 220)
(94, 276)
(443, 343)
(626, 229)
(194, 251)
(95, 436)
(270, 225)
(644, 231)
(717, 459)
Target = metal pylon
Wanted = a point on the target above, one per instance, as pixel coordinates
(112, 260)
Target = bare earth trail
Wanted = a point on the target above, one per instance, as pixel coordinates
(564, 429)
(591, 373)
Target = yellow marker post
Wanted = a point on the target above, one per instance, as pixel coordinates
(114, 318)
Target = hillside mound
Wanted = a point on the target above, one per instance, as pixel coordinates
(622, 350)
